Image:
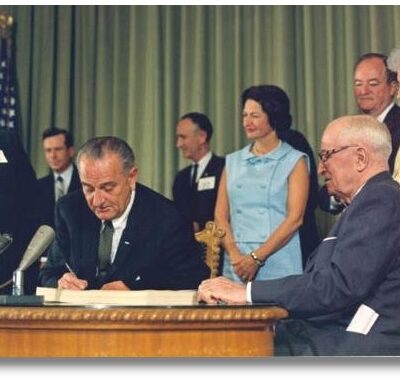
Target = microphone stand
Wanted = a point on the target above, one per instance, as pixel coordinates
(18, 298)
(18, 283)
(40, 241)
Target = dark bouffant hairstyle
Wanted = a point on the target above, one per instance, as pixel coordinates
(274, 101)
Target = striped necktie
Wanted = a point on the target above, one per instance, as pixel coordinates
(60, 189)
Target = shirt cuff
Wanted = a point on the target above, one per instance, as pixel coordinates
(248, 292)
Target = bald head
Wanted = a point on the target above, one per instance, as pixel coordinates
(353, 149)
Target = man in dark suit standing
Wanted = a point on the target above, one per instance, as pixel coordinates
(18, 216)
(346, 302)
(118, 234)
(375, 88)
(195, 187)
(58, 146)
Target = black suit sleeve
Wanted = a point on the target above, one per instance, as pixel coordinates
(18, 211)
(175, 260)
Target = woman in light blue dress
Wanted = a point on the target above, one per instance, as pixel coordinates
(263, 193)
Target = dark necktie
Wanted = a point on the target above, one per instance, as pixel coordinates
(194, 176)
(105, 244)
(60, 189)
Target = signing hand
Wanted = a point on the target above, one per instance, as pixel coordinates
(70, 281)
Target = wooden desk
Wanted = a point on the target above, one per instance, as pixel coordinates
(137, 331)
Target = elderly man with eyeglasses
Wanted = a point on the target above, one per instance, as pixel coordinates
(346, 302)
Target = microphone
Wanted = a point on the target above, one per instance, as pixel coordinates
(5, 241)
(41, 240)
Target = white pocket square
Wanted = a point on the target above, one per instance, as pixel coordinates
(329, 239)
(3, 159)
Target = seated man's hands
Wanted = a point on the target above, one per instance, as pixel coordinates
(221, 289)
(115, 285)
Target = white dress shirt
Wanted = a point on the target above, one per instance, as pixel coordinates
(119, 225)
(203, 164)
(381, 117)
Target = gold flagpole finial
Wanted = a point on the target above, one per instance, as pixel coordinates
(6, 23)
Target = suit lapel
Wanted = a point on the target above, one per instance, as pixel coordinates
(188, 176)
(90, 241)
(214, 166)
(134, 235)
(325, 245)
(51, 189)
(75, 180)
(209, 170)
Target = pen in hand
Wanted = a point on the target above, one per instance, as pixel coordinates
(72, 282)
(69, 268)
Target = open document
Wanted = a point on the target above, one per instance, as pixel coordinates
(123, 298)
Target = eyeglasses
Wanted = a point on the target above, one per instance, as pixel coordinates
(326, 155)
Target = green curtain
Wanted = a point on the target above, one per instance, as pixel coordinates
(131, 71)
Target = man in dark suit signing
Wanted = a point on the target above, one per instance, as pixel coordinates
(58, 146)
(195, 187)
(346, 302)
(118, 234)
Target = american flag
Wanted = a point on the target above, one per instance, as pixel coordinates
(8, 103)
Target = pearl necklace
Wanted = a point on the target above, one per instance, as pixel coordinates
(258, 152)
